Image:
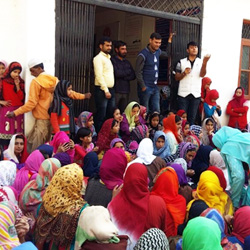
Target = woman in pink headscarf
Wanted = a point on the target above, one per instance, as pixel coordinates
(62, 143)
(29, 171)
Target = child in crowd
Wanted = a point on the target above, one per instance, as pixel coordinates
(172, 129)
(208, 132)
(108, 132)
(131, 119)
(185, 129)
(86, 120)
(211, 109)
(205, 88)
(161, 146)
(182, 113)
(154, 124)
(62, 109)
(83, 145)
(3, 66)
(117, 114)
(237, 110)
(13, 95)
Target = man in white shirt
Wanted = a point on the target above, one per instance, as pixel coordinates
(104, 83)
(189, 72)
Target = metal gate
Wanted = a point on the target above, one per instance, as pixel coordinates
(75, 24)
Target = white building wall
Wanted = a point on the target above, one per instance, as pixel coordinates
(28, 31)
(222, 26)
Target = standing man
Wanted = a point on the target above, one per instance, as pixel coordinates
(189, 71)
(104, 82)
(124, 73)
(40, 97)
(147, 72)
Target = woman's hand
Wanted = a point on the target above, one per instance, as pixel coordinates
(117, 189)
(5, 103)
(63, 147)
(71, 144)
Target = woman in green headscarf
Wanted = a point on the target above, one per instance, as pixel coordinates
(131, 119)
(234, 147)
(201, 234)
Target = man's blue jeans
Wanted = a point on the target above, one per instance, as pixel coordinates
(103, 106)
(150, 98)
(190, 104)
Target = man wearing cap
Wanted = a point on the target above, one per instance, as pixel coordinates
(40, 97)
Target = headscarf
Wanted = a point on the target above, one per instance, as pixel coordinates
(201, 161)
(165, 150)
(104, 136)
(139, 133)
(153, 238)
(59, 138)
(238, 101)
(91, 167)
(61, 96)
(7, 78)
(4, 63)
(32, 193)
(197, 207)
(220, 176)
(82, 120)
(184, 148)
(180, 173)
(10, 154)
(182, 162)
(7, 173)
(143, 110)
(127, 112)
(194, 140)
(129, 209)
(212, 94)
(46, 149)
(215, 215)
(170, 126)
(114, 141)
(29, 171)
(210, 190)
(196, 129)
(241, 224)
(8, 234)
(63, 157)
(64, 191)
(205, 81)
(233, 142)
(112, 168)
(9, 194)
(144, 152)
(205, 139)
(167, 186)
(180, 112)
(201, 233)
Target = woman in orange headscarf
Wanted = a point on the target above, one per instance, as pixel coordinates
(167, 186)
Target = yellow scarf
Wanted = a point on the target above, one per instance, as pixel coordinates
(63, 194)
(210, 191)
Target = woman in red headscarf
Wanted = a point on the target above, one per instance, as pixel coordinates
(237, 110)
(205, 88)
(13, 94)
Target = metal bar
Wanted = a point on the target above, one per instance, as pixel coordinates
(140, 10)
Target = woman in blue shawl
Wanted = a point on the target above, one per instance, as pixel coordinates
(161, 146)
(234, 147)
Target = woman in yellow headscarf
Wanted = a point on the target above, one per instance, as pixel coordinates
(210, 191)
(62, 203)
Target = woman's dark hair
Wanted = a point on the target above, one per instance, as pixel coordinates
(153, 115)
(187, 123)
(20, 137)
(114, 122)
(82, 132)
(209, 120)
(44, 153)
(191, 150)
(136, 105)
(162, 137)
(177, 118)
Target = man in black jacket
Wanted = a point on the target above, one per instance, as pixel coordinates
(124, 73)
